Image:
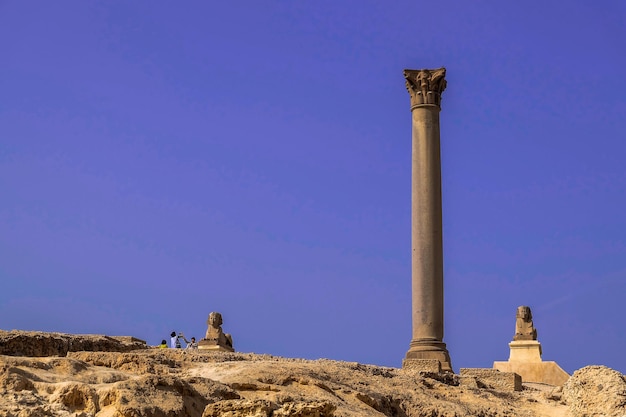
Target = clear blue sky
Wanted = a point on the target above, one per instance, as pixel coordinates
(159, 161)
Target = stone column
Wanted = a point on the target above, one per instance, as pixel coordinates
(425, 88)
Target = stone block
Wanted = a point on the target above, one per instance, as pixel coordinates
(430, 366)
(128, 339)
(468, 381)
(494, 379)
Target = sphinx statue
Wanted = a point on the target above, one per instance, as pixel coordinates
(525, 354)
(215, 338)
(524, 328)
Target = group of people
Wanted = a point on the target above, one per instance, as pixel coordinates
(176, 344)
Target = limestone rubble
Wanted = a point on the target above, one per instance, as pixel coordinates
(596, 388)
(171, 382)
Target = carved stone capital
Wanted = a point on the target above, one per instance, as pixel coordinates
(425, 86)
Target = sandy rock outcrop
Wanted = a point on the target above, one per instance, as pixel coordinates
(173, 382)
(596, 391)
(23, 343)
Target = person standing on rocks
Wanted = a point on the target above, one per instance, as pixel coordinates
(191, 344)
(175, 341)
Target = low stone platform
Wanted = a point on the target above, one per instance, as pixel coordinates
(490, 378)
(525, 360)
(548, 372)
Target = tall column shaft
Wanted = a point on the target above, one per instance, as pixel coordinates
(426, 225)
(425, 88)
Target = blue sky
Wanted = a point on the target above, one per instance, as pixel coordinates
(160, 161)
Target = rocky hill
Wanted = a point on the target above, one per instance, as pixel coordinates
(118, 377)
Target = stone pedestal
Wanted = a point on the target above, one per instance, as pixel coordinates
(525, 351)
(425, 88)
(525, 360)
(213, 345)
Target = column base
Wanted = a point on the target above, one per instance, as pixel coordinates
(430, 349)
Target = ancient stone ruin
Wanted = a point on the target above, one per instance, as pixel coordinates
(425, 88)
(525, 354)
(215, 338)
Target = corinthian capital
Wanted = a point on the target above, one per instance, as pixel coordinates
(425, 86)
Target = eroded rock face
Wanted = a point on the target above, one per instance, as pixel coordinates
(175, 382)
(21, 343)
(171, 382)
(596, 391)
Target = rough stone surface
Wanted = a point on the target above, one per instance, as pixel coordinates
(24, 343)
(468, 381)
(429, 366)
(491, 378)
(175, 382)
(596, 391)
